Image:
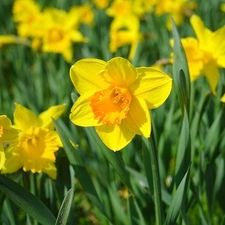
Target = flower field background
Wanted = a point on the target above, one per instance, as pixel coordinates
(57, 168)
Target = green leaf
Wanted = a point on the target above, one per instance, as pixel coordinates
(181, 75)
(114, 158)
(212, 136)
(199, 111)
(223, 221)
(177, 200)
(26, 201)
(81, 172)
(135, 215)
(184, 150)
(65, 209)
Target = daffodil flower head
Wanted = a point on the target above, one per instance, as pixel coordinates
(115, 98)
(34, 148)
(205, 53)
(7, 134)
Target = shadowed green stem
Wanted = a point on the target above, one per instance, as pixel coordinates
(156, 183)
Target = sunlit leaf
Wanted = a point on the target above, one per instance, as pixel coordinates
(177, 200)
(26, 201)
(65, 209)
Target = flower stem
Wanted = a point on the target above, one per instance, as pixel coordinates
(156, 183)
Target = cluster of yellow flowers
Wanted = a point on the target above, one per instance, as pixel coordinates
(127, 14)
(55, 30)
(51, 29)
(31, 142)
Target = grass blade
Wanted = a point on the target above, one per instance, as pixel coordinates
(177, 200)
(26, 201)
(65, 209)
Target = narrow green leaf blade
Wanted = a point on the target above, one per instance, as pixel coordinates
(178, 200)
(26, 201)
(184, 150)
(135, 215)
(64, 211)
(181, 75)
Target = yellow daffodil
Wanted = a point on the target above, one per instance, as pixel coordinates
(176, 9)
(120, 8)
(51, 30)
(115, 98)
(25, 13)
(206, 54)
(125, 31)
(59, 33)
(82, 13)
(101, 4)
(213, 46)
(7, 134)
(34, 148)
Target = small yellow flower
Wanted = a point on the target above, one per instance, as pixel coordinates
(177, 9)
(125, 31)
(115, 98)
(83, 14)
(34, 148)
(7, 134)
(101, 4)
(211, 46)
(25, 13)
(59, 33)
(120, 8)
(206, 53)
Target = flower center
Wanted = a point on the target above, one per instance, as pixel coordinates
(111, 105)
(32, 143)
(55, 35)
(1, 131)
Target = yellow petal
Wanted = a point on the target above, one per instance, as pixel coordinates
(138, 119)
(218, 42)
(53, 112)
(7, 133)
(120, 71)
(213, 75)
(24, 118)
(85, 75)
(81, 112)
(13, 160)
(51, 170)
(115, 137)
(221, 61)
(201, 31)
(5, 121)
(152, 85)
(223, 98)
(2, 156)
